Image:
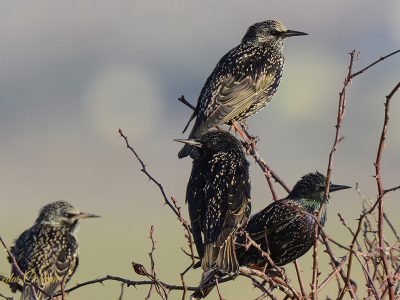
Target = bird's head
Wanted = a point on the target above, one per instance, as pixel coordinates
(269, 31)
(61, 213)
(215, 141)
(311, 187)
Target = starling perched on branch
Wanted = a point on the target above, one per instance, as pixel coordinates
(47, 252)
(218, 195)
(243, 81)
(285, 229)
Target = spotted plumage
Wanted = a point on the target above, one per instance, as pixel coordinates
(218, 196)
(48, 251)
(243, 81)
(285, 228)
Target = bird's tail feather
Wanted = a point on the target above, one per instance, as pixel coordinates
(206, 278)
(30, 293)
(210, 257)
(226, 260)
(221, 258)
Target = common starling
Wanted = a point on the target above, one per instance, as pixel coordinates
(218, 195)
(47, 252)
(284, 229)
(243, 81)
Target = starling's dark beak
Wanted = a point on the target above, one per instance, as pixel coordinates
(190, 142)
(83, 215)
(289, 33)
(336, 187)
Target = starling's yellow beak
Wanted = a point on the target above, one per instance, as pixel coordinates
(190, 142)
(336, 187)
(289, 33)
(82, 215)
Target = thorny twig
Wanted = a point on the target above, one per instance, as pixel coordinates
(121, 295)
(381, 190)
(149, 176)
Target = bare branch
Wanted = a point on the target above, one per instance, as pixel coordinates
(374, 63)
(149, 176)
(381, 190)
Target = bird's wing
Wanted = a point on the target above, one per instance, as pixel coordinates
(238, 209)
(273, 219)
(20, 250)
(60, 271)
(235, 96)
(195, 198)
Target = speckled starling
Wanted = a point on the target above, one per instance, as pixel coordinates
(48, 251)
(283, 228)
(218, 196)
(243, 81)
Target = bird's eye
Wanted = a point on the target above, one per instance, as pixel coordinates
(68, 215)
(275, 32)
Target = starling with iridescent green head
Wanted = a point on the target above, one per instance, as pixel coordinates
(286, 228)
(47, 252)
(243, 81)
(218, 196)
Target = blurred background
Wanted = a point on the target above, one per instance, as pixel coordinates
(73, 72)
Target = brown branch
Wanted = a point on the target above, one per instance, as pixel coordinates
(267, 170)
(218, 291)
(381, 190)
(335, 262)
(121, 295)
(149, 176)
(188, 233)
(279, 285)
(391, 189)
(337, 140)
(134, 283)
(339, 121)
(315, 268)
(392, 228)
(374, 63)
(334, 273)
(173, 206)
(261, 287)
(300, 279)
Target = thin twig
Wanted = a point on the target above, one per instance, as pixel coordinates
(334, 273)
(121, 295)
(315, 273)
(374, 63)
(381, 190)
(149, 176)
